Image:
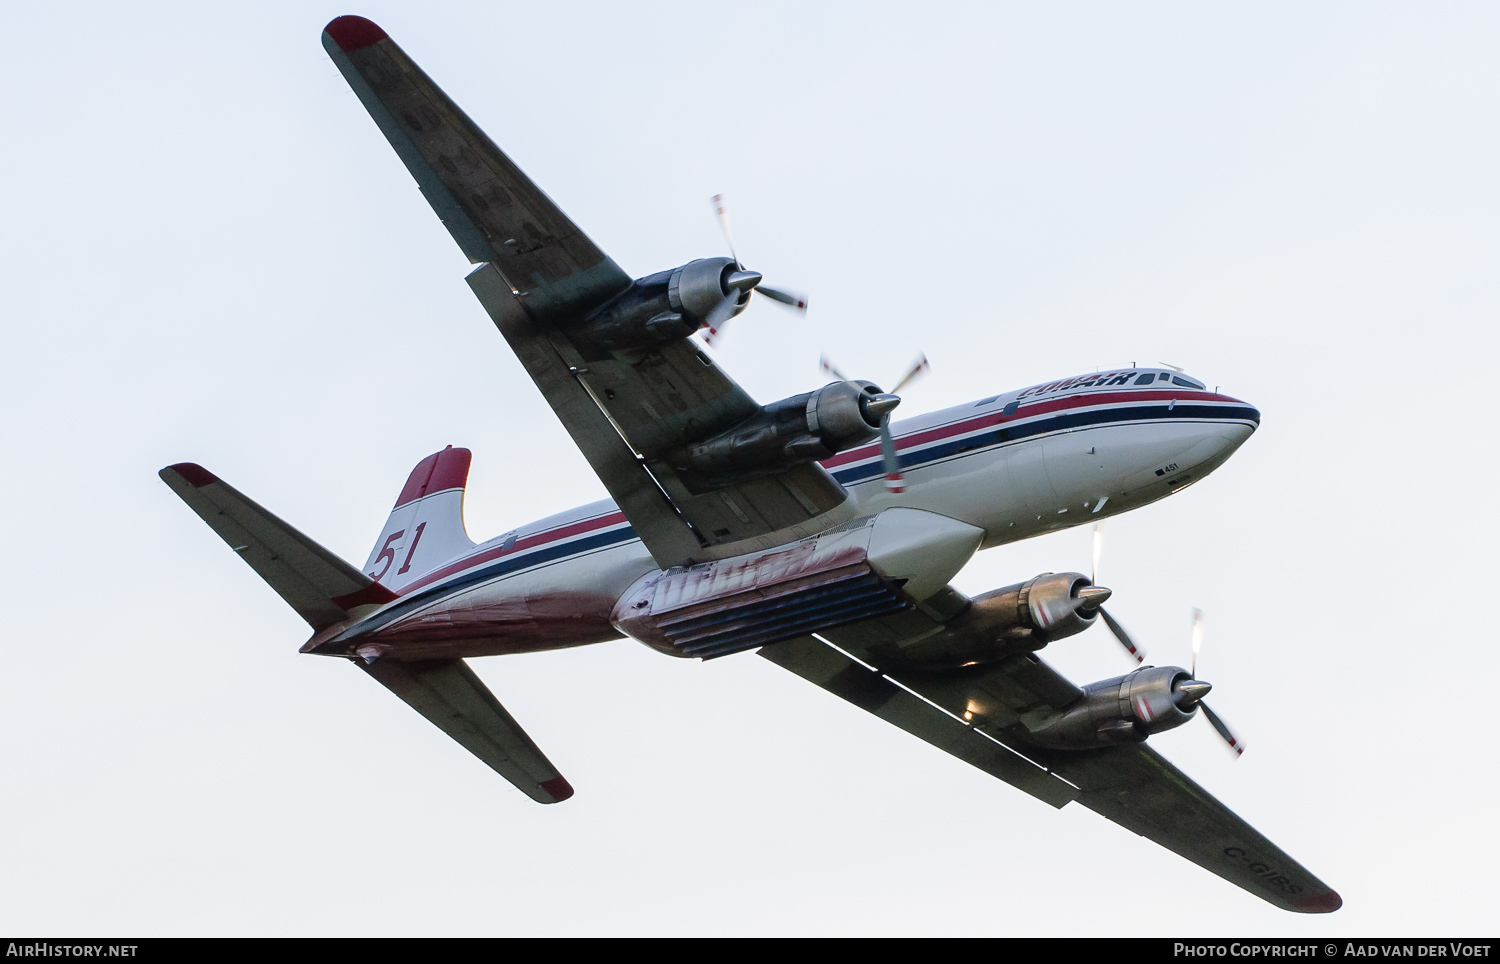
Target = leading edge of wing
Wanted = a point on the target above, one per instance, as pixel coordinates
(492, 209)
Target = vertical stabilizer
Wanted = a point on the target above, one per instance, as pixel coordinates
(426, 528)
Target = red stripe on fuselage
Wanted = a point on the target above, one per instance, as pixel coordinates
(1026, 411)
(521, 545)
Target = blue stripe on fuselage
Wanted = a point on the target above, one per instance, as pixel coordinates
(1043, 426)
(535, 557)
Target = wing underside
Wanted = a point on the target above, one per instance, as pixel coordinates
(539, 277)
(980, 715)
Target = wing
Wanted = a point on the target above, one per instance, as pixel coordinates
(539, 276)
(492, 210)
(979, 715)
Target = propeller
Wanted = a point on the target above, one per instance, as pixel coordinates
(883, 406)
(1115, 628)
(1214, 719)
(744, 282)
(1193, 690)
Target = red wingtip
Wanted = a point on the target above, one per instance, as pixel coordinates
(560, 788)
(197, 476)
(352, 33)
(1321, 903)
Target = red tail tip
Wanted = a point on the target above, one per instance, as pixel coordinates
(354, 33)
(196, 475)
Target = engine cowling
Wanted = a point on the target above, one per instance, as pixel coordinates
(665, 306)
(1126, 709)
(1001, 623)
(803, 428)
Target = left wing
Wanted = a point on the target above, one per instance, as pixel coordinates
(539, 277)
(979, 715)
(492, 209)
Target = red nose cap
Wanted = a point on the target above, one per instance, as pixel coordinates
(353, 33)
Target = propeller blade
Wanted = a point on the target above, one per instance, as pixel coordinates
(718, 320)
(797, 302)
(1122, 636)
(1218, 724)
(722, 210)
(894, 483)
(1098, 550)
(824, 365)
(917, 367)
(1197, 640)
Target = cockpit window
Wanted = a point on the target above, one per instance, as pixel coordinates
(1146, 379)
(1186, 382)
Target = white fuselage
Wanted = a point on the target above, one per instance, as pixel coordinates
(1015, 465)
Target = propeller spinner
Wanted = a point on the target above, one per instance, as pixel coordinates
(881, 405)
(743, 281)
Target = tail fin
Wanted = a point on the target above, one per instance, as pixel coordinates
(323, 588)
(426, 528)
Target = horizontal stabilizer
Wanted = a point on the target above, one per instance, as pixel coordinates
(320, 586)
(447, 692)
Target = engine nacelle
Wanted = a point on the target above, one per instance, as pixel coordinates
(1001, 623)
(1126, 709)
(664, 306)
(804, 428)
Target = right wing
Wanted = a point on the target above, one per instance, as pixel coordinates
(980, 715)
(536, 274)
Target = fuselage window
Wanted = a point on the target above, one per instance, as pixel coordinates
(1186, 382)
(1146, 379)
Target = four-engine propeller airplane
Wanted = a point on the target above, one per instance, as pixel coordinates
(812, 529)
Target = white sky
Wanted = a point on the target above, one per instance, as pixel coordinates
(209, 253)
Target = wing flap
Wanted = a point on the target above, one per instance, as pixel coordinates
(457, 702)
(666, 535)
(877, 694)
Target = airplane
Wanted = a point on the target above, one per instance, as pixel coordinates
(814, 530)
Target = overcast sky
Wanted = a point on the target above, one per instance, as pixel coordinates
(209, 253)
